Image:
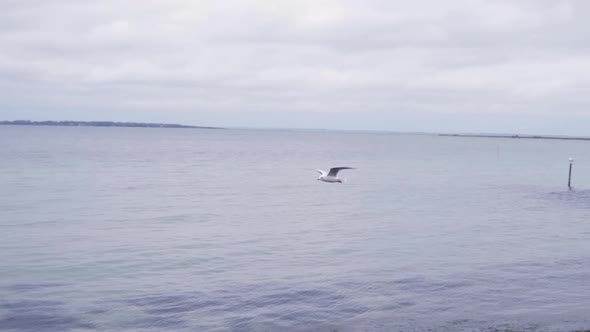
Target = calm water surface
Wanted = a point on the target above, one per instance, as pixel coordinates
(228, 230)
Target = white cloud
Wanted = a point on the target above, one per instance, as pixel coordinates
(198, 60)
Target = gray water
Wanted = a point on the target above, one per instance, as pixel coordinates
(228, 230)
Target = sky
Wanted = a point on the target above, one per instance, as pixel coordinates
(422, 65)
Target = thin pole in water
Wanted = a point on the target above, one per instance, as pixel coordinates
(569, 179)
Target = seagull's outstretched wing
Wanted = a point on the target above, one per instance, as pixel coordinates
(321, 172)
(334, 170)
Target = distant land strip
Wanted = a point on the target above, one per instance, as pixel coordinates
(519, 136)
(98, 124)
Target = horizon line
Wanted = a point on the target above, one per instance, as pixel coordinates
(191, 126)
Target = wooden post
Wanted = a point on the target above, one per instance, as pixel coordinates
(569, 179)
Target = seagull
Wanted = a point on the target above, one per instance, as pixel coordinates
(332, 175)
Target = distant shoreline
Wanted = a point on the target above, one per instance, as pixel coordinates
(99, 124)
(519, 136)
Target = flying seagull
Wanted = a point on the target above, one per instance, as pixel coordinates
(332, 175)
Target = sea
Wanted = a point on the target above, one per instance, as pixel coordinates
(150, 229)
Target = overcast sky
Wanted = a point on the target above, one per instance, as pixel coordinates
(437, 66)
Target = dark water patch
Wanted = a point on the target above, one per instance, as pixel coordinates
(97, 311)
(351, 285)
(158, 322)
(39, 316)
(574, 198)
(567, 267)
(504, 327)
(35, 223)
(308, 296)
(350, 309)
(299, 307)
(399, 323)
(174, 304)
(185, 306)
(409, 281)
(398, 305)
(535, 198)
(32, 287)
(42, 322)
(422, 285)
(315, 298)
(240, 323)
(155, 300)
(305, 316)
(255, 326)
(285, 321)
(30, 304)
(245, 311)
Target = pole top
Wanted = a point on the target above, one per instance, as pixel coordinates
(571, 160)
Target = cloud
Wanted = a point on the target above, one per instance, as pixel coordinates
(229, 61)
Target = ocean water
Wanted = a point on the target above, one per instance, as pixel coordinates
(136, 229)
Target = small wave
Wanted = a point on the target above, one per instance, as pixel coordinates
(34, 315)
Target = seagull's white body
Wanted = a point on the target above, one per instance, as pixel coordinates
(332, 175)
